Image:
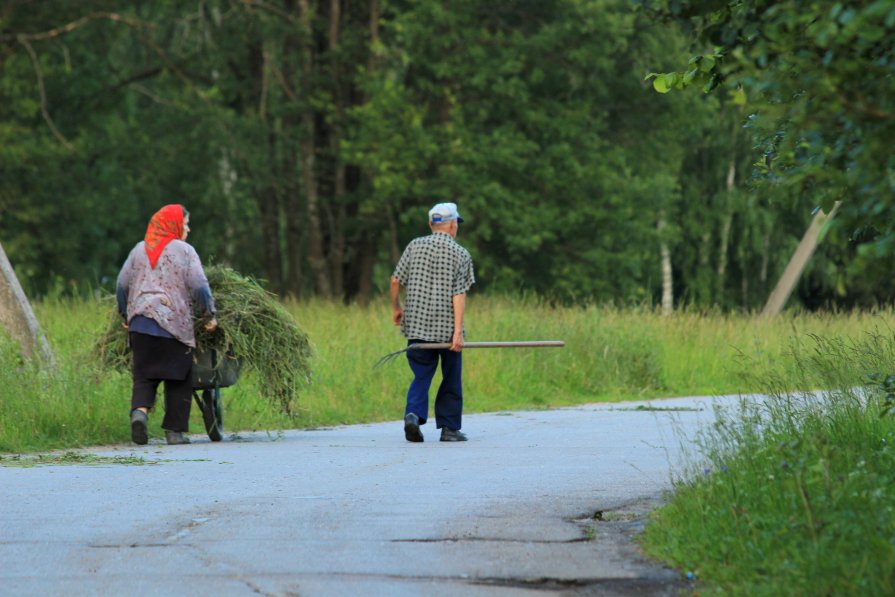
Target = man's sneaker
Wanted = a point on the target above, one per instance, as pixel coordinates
(452, 435)
(175, 438)
(139, 434)
(412, 428)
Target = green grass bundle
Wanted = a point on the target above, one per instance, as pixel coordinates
(252, 326)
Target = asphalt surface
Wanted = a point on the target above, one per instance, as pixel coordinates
(536, 503)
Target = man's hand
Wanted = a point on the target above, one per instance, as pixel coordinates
(397, 315)
(457, 342)
(212, 325)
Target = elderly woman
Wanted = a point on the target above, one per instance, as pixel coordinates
(159, 287)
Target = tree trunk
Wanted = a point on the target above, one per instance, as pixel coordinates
(765, 258)
(667, 280)
(723, 241)
(337, 211)
(269, 207)
(394, 248)
(705, 242)
(704, 291)
(266, 198)
(227, 177)
(292, 51)
(18, 319)
(367, 258)
(308, 159)
(363, 252)
(726, 223)
(294, 243)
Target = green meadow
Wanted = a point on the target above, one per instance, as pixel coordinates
(611, 354)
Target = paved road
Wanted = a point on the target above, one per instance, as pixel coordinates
(535, 503)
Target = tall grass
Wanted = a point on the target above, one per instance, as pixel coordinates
(611, 354)
(71, 406)
(795, 496)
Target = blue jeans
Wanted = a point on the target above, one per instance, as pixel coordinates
(449, 399)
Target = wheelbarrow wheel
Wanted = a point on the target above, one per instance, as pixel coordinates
(212, 414)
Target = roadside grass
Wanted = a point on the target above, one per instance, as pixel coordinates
(795, 496)
(611, 354)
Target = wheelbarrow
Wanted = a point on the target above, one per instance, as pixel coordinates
(212, 371)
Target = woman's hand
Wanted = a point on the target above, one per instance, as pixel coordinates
(212, 325)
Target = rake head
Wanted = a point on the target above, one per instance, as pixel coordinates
(388, 358)
(394, 355)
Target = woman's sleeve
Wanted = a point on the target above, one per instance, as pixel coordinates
(198, 285)
(123, 285)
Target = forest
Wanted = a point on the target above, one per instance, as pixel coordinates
(606, 151)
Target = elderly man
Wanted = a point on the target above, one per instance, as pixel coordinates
(436, 273)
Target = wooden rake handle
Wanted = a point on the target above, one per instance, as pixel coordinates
(442, 345)
(525, 344)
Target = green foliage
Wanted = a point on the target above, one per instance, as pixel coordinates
(560, 158)
(794, 495)
(815, 80)
(534, 117)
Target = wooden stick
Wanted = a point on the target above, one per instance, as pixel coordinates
(524, 344)
(444, 345)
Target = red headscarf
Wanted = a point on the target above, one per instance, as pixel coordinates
(166, 225)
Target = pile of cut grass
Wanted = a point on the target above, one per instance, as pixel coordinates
(253, 327)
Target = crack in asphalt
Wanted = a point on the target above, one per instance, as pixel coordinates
(491, 540)
(596, 587)
(135, 545)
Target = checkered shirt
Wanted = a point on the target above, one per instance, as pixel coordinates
(432, 270)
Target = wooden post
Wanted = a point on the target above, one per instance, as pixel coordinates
(16, 315)
(797, 264)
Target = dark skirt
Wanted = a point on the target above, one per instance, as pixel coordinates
(160, 358)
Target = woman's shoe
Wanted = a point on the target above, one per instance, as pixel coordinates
(139, 434)
(175, 438)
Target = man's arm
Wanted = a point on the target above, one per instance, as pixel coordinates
(459, 301)
(397, 310)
